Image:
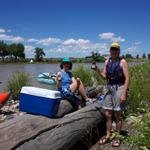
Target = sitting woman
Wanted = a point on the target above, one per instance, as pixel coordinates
(68, 85)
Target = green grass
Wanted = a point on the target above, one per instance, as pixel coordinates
(87, 76)
(139, 88)
(141, 136)
(15, 83)
(139, 104)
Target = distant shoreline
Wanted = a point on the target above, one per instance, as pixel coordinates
(58, 60)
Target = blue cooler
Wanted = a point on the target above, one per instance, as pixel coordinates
(39, 101)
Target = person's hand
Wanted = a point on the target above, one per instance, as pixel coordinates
(122, 98)
(78, 81)
(59, 76)
(94, 66)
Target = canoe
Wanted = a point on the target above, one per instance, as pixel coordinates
(47, 78)
(4, 97)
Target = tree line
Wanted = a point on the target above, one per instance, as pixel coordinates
(16, 52)
(12, 51)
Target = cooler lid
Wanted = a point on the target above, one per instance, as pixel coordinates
(40, 92)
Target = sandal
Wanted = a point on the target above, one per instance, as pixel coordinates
(104, 140)
(116, 142)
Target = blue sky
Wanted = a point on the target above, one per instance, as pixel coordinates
(75, 28)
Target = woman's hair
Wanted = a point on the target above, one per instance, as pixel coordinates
(70, 67)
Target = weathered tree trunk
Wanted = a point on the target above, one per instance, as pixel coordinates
(41, 133)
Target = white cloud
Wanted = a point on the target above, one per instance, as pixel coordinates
(134, 48)
(2, 30)
(111, 37)
(117, 39)
(75, 42)
(77, 48)
(29, 51)
(106, 36)
(11, 38)
(137, 43)
(32, 40)
(29, 48)
(49, 41)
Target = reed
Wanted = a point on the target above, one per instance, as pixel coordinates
(15, 83)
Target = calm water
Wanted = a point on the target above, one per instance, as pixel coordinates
(6, 70)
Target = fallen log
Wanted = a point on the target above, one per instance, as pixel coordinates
(41, 133)
(38, 132)
(65, 107)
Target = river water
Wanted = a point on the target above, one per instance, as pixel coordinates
(6, 70)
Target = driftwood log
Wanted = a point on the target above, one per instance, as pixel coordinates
(42, 133)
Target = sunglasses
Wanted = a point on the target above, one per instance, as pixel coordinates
(114, 49)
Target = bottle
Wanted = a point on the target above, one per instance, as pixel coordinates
(94, 67)
(59, 76)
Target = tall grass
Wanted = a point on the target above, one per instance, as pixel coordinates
(87, 76)
(138, 100)
(15, 82)
(139, 88)
(84, 74)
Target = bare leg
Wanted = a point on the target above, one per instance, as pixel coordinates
(118, 121)
(74, 86)
(108, 116)
(79, 85)
(82, 91)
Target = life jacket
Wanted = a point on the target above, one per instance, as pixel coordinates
(114, 72)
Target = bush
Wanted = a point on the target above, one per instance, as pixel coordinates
(15, 83)
(84, 74)
(87, 76)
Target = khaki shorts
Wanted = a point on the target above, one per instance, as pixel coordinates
(112, 98)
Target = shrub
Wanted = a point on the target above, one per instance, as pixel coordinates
(15, 83)
(84, 74)
(87, 76)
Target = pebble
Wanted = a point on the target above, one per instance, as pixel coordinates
(10, 110)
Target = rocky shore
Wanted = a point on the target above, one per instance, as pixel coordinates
(10, 110)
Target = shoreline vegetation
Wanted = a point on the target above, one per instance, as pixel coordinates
(138, 110)
(15, 53)
(74, 60)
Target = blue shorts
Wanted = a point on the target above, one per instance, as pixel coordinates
(70, 96)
